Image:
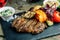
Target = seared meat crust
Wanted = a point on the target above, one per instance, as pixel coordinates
(28, 25)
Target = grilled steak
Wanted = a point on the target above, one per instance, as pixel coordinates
(28, 25)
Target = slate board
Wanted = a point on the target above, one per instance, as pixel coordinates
(11, 34)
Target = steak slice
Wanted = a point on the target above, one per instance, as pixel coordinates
(28, 25)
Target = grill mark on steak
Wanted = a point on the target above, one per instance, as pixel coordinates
(15, 22)
(43, 26)
(21, 26)
(36, 27)
(32, 25)
(23, 23)
(25, 27)
(20, 22)
(29, 23)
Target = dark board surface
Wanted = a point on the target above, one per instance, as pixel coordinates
(11, 34)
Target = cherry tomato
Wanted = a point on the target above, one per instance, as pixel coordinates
(56, 16)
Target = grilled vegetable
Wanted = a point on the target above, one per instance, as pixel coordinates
(49, 22)
(56, 16)
(40, 15)
(29, 14)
